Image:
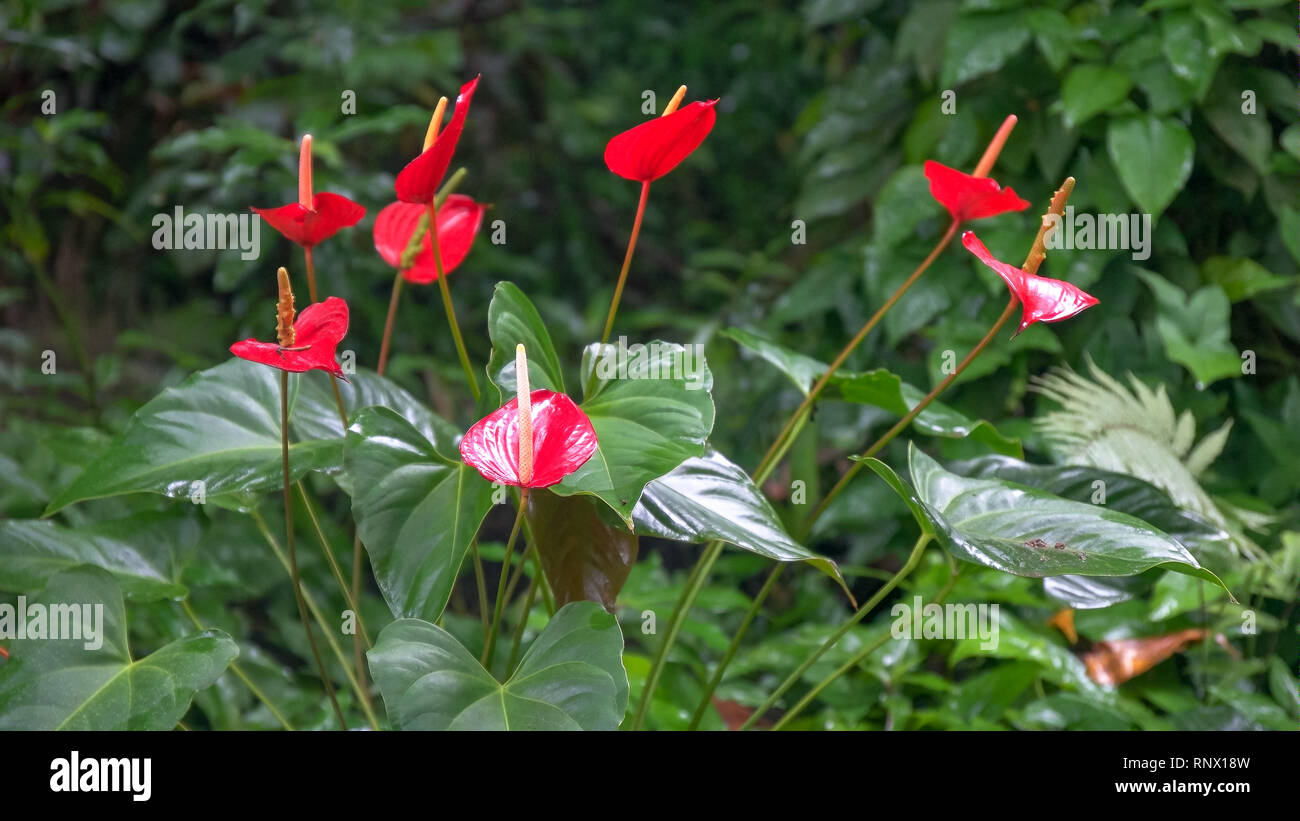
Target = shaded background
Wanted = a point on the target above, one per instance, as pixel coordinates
(827, 109)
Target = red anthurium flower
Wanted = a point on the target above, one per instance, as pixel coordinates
(1044, 299)
(534, 440)
(563, 440)
(419, 180)
(306, 343)
(967, 197)
(650, 150)
(459, 219)
(314, 217)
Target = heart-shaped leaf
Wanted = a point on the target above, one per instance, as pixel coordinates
(416, 510)
(218, 431)
(879, 388)
(1090, 89)
(129, 549)
(1195, 329)
(1206, 541)
(711, 497)
(316, 413)
(571, 678)
(651, 408)
(1028, 532)
(59, 684)
(584, 558)
(512, 319)
(1153, 156)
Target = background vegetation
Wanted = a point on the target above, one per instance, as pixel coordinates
(827, 110)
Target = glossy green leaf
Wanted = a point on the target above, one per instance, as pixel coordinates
(1029, 532)
(803, 371)
(583, 557)
(886, 390)
(1090, 89)
(61, 685)
(651, 410)
(1153, 157)
(710, 497)
(1242, 278)
(220, 427)
(512, 319)
(316, 413)
(1195, 328)
(571, 678)
(879, 388)
(416, 511)
(1210, 544)
(35, 550)
(1185, 47)
(981, 43)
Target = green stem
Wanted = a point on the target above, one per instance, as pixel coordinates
(446, 301)
(319, 616)
(857, 659)
(902, 424)
(786, 437)
(293, 555)
(734, 646)
(692, 590)
(240, 674)
(912, 561)
(490, 642)
(480, 583)
(337, 572)
(694, 583)
(523, 624)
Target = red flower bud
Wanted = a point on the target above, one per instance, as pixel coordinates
(419, 180)
(1044, 299)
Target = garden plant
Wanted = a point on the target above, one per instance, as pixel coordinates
(923, 365)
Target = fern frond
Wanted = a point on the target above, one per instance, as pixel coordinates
(1133, 429)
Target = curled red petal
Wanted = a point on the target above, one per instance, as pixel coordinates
(317, 331)
(967, 197)
(1043, 299)
(654, 148)
(459, 220)
(419, 180)
(394, 225)
(330, 214)
(563, 440)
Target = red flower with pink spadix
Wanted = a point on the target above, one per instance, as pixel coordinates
(459, 219)
(650, 150)
(314, 218)
(303, 344)
(970, 197)
(1043, 299)
(534, 440)
(418, 182)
